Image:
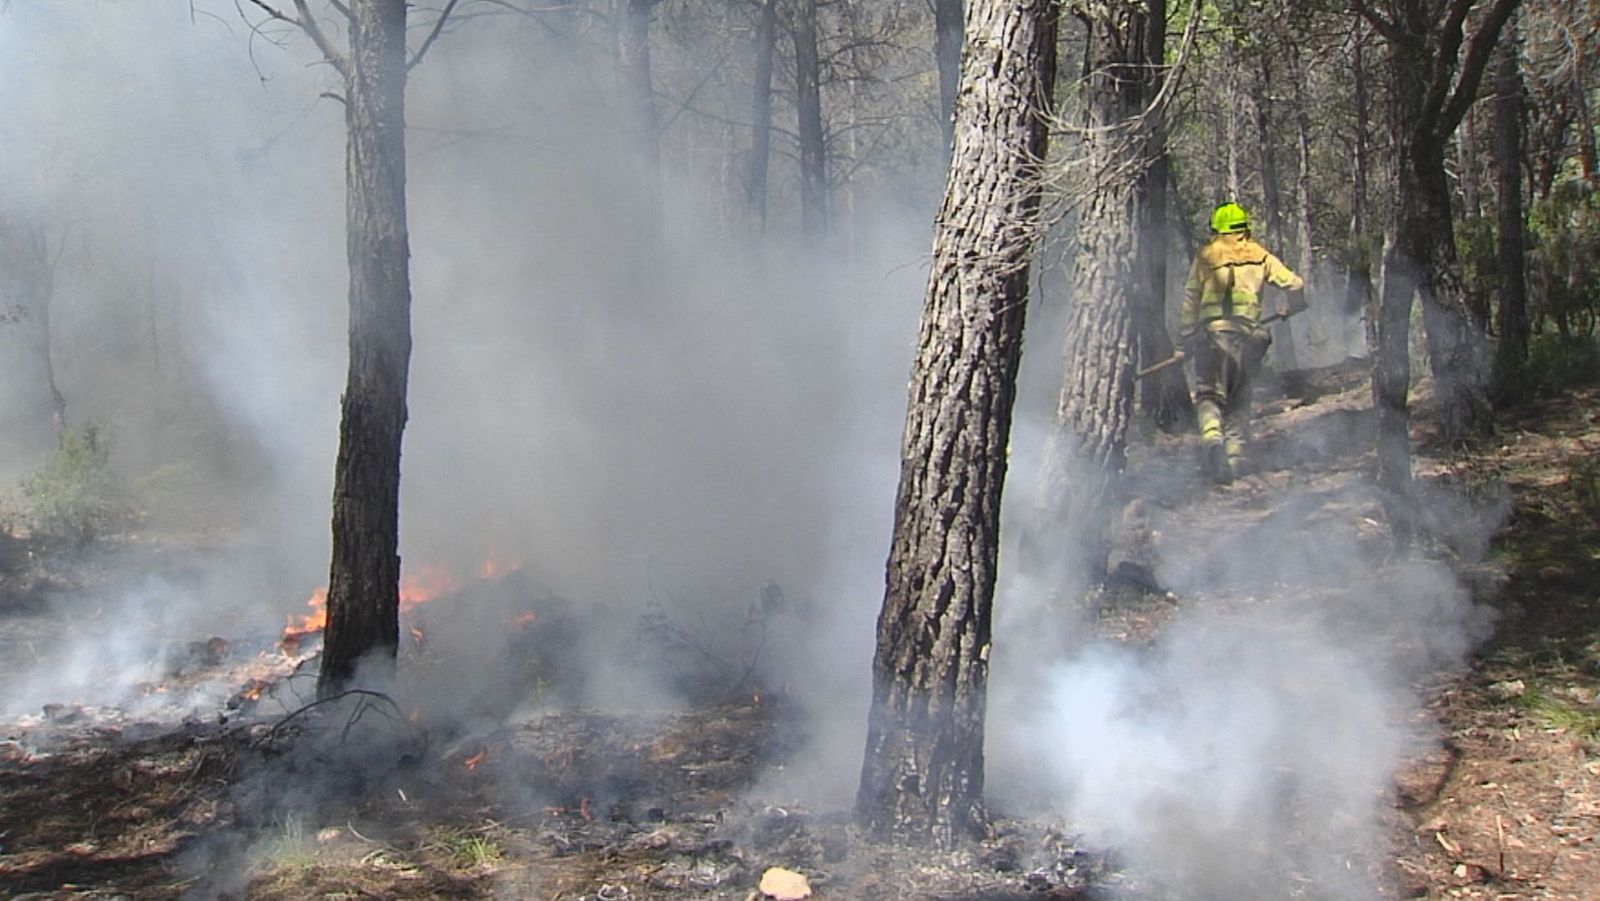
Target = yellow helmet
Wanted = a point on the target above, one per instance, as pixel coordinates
(1230, 218)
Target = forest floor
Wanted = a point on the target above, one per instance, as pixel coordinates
(1498, 798)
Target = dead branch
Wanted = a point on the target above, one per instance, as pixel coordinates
(369, 701)
(433, 35)
(308, 24)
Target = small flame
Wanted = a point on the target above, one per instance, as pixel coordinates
(493, 567)
(416, 633)
(524, 620)
(300, 626)
(426, 584)
(471, 763)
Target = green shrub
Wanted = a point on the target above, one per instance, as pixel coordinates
(1554, 364)
(75, 496)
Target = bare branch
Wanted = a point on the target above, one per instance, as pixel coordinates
(1388, 29)
(1445, 57)
(308, 24)
(1477, 60)
(272, 12)
(432, 35)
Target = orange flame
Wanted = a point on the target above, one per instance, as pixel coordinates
(524, 620)
(420, 587)
(426, 584)
(471, 763)
(300, 626)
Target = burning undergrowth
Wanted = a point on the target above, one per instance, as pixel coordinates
(480, 771)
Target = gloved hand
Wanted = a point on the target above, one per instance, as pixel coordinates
(1297, 303)
(1189, 340)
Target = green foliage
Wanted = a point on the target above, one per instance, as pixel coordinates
(467, 849)
(1554, 365)
(1477, 249)
(1552, 709)
(75, 496)
(1564, 238)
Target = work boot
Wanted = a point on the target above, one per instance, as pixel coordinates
(1236, 461)
(1214, 462)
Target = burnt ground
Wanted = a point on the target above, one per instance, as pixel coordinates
(269, 797)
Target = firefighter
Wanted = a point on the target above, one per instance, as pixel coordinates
(1220, 329)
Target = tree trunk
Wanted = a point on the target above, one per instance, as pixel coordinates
(1283, 349)
(1508, 145)
(808, 108)
(1467, 168)
(633, 61)
(922, 776)
(1419, 252)
(1305, 257)
(1391, 386)
(1586, 142)
(1164, 396)
(32, 411)
(949, 21)
(1359, 294)
(1458, 353)
(1431, 90)
(1116, 284)
(364, 578)
(761, 109)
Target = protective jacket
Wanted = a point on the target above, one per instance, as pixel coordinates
(1226, 281)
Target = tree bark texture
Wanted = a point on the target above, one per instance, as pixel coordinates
(1512, 315)
(1164, 396)
(1359, 294)
(1419, 252)
(364, 578)
(922, 776)
(761, 108)
(1117, 287)
(808, 110)
(1426, 42)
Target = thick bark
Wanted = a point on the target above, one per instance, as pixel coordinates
(1089, 447)
(1512, 316)
(1420, 255)
(949, 21)
(364, 578)
(1164, 396)
(1117, 297)
(761, 108)
(922, 776)
(1458, 351)
(808, 109)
